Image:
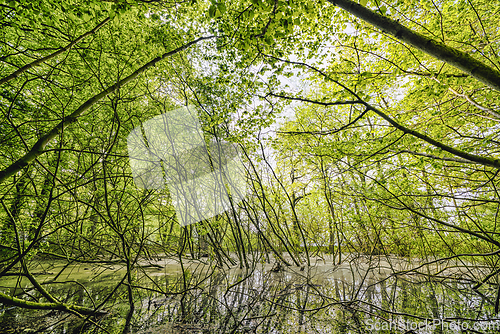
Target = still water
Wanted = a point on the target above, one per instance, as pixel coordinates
(363, 295)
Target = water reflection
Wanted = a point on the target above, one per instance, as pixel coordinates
(192, 297)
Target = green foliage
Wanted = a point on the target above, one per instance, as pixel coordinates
(341, 178)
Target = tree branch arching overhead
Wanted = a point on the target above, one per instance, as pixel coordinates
(40, 61)
(456, 58)
(37, 148)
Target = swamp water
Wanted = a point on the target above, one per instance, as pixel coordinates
(360, 296)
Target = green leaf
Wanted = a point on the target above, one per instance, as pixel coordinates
(212, 10)
(221, 7)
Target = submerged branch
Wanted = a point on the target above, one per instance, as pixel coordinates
(14, 301)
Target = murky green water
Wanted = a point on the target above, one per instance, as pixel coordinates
(357, 297)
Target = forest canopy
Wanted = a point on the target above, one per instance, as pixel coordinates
(366, 128)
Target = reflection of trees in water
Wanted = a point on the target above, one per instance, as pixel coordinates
(321, 299)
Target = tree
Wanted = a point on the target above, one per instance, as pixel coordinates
(72, 198)
(391, 149)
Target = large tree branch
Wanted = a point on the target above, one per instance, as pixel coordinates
(52, 55)
(485, 161)
(459, 59)
(8, 300)
(471, 158)
(432, 156)
(37, 149)
(326, 104)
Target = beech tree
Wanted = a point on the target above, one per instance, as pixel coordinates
(386, 115)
